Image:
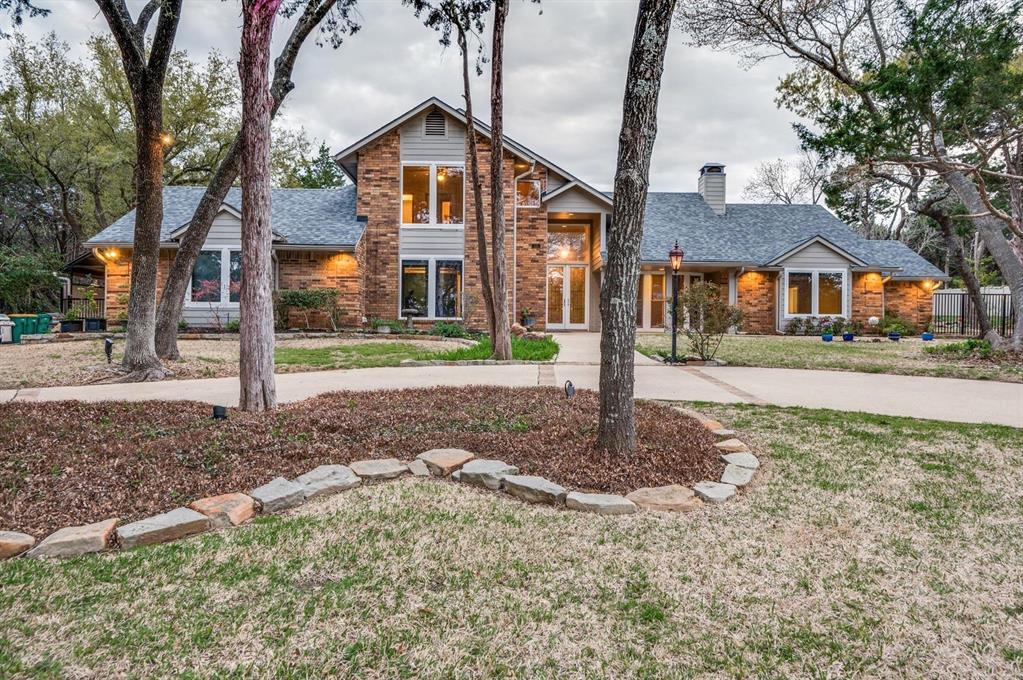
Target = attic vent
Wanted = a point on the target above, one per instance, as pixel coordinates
(436, 126)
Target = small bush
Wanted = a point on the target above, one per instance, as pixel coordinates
(449, 329)
(233, 326)
(795, 326)
(395, 325)
(708, 318)
(894, 324)
(966, 349)
(306, 301)
(182, 326)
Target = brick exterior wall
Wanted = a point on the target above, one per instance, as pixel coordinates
(379, 199)
(910, 301)
(868, 291)
(308, 269)
(757, 300)
(531, 247)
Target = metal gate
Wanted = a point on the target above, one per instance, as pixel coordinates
(955, 313)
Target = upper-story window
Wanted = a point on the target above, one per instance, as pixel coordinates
(432, 194)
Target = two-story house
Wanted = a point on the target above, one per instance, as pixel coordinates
(400, 242)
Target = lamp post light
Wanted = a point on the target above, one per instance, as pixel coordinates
(675, 256)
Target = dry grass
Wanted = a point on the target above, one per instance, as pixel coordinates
(871, 547)
(906, 357)
(83, 362)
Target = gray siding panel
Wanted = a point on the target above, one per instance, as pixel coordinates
(575, 200)
(816, 256)
(225, 231)
(415, 146)
(417, 241)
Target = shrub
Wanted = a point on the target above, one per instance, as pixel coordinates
(182, 326)
(449, 329)
(963, 350)
(27, 282)
(233, 326)
(795, 326)
(307, 300)
(709, 317)
(895, 324)
(395, 325)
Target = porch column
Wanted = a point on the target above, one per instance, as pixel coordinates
(733, 295)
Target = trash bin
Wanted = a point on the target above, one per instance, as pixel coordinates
(6, 329)
(28, 324)
(43, 322)
(18, 329)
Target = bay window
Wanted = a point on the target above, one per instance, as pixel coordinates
(216, 278)
(431, 288)
(815, 292)
(432, 194)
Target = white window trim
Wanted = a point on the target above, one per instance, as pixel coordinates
(225, 281)
(432, 224)
(814, 288)
(431, 286)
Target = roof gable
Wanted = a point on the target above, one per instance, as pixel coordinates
(816, 240)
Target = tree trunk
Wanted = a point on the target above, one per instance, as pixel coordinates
(139, 348)
(955, 252)
(256, 362)
(173, 297)
(616, 433)
(991, 229)
(477, 185)
(502, 329)
(172, 300)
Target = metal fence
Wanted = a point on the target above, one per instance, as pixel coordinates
(955, 313)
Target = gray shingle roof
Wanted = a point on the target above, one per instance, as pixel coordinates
(757, 233)
(308, 217)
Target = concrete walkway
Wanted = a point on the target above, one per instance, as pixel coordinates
(584, 348)
(969, 401)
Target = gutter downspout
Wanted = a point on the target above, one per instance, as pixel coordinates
(515, 239)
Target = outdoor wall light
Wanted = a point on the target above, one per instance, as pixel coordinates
(219, 413)
(108, 349)
(569, 389)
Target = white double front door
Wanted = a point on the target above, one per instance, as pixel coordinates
(567, 292)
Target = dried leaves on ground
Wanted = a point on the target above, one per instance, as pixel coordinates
(67, 463)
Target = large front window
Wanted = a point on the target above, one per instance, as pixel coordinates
(815, 293)
(432, 194)
(431, 289)
(216, 277)
(566, 243)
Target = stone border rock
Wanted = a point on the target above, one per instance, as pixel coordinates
(279, 494)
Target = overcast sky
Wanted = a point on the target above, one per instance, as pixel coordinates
(564, 79)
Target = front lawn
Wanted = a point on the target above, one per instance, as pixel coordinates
(522, 350)
(871, 547)
(906, 357)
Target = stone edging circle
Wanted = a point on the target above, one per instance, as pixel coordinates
(279, 494)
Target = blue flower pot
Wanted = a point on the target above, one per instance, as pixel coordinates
(827, 337)
(894, 337)
(927, 337)
(848, 337)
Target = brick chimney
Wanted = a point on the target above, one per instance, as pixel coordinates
(712, 186)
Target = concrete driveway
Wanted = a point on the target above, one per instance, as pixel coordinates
(968, 401)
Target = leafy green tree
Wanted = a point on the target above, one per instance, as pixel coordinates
(317, 172)
(27, 280)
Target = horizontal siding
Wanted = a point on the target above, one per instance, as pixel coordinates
(204, 317)
(575, 200)
(424, 242)
(225, 231)
(816, 256)
(415, 146)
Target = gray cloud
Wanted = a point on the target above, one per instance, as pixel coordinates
(565, 74)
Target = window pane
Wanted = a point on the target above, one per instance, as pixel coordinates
(657, 300)
(414, 287)
(639, 302)
(415, 194)
(829, 293)
(800, 293)
(555, 295)
(235, 272)
(566, 246)
(206, 277)
(527, 193)
(450, 185)
(449, 288)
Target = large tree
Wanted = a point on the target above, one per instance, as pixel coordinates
(256, 361)
(934, 85)
(501, 334)
(334, 18)
(616, 431)
(465, 19)
(145, 70)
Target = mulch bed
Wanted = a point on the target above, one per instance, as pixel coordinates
(66, 463)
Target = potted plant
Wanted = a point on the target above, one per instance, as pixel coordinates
(849, 331)
(825, 328)
(72, 322)
(928, 334)
(526, 316)
(93, 321)
(382, 326)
